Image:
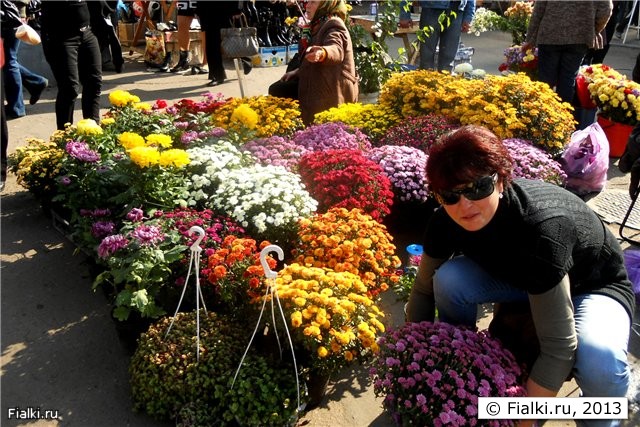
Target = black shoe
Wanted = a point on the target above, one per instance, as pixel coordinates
(37, 92)
(246, 66)
(119, 67)
(183, 62)
(215, 82)
(197, 69)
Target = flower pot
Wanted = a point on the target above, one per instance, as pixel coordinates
(617, 135)
(316, 388)
(582, 90)
(368, 98)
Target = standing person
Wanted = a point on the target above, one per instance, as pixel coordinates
(17, 76)
(186, 12)
(73, 52)
(560, 53)
(595, 55)
(457, 17)
(501, 240)
(104, 23)
(213, 16)
(327, 73)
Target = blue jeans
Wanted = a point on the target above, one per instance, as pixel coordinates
(448, 38)
(602, 325)
(558, 67)
(16, 76)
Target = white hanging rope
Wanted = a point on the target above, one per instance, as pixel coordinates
(271, 289)
(194, 260)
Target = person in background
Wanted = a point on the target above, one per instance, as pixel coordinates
(4, 129)
(560, 53)
(445, 36)
(497, 240)
(104, 24)
(327, 73)
(630, 160)
(213, 16)
(595, 55)
(186, 12)
(73, 52)
(16, 76)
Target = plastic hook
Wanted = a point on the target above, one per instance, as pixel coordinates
(263, 260)
(200, 232)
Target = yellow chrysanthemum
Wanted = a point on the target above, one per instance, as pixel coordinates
(174, 157)
(159, 140)
(122, 98)
(130, 140)
(246, 116)
(144, 156)
(142, 106)
(107, 121)
(89, 127)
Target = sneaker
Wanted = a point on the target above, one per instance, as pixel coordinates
(37, 92)
(618, 35)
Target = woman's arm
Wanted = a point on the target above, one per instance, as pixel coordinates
(553, 318)
(422, 305)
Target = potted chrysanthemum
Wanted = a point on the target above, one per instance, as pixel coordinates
(433, 373)
(332, 320)
(349, 240)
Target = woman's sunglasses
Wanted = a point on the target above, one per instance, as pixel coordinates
(477, 190)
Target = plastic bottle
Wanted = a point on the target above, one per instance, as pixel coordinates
(414, 253)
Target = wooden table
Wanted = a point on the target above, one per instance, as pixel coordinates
(367, 22)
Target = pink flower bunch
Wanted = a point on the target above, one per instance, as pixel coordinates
(533, 162)
(80, 150)
(405, 167)
(276, 150)
(431, 374)
(332, 135)
(419, 132)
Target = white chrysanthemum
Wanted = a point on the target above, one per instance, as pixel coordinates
(463, 68)
(270, 199)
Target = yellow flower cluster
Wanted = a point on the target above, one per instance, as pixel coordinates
(372, 119)
(245, 116)
(276, 116)
(351, 241)
(88, 127)
(617, 97)
(145, 152)
(520, 10)
(37, 164)
(330, 314)
(121, 98)
(511, 106)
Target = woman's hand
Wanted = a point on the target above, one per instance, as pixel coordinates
(315, 54)
(290, 75)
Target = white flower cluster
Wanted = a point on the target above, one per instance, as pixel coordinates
(206, 165)
(483, 20)
(269, 199)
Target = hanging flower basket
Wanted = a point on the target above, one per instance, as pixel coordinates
(617, 135)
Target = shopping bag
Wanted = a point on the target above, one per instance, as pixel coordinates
(155, 52)
(240, 40)
(585, 160)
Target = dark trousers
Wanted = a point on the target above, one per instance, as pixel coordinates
(76, 63)
(4, 135)
(558, 67)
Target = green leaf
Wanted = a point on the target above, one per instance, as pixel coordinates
(121, 313)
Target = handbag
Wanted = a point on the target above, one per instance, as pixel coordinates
(239, 41)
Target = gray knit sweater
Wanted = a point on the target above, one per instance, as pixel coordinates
(562, 22)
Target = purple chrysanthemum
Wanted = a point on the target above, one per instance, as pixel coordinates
(147, 235)
(111, 244)
(331, 136)
(81, 151)
(100, 229)
(135, 215)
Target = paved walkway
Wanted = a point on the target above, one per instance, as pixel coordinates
(60, 350)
